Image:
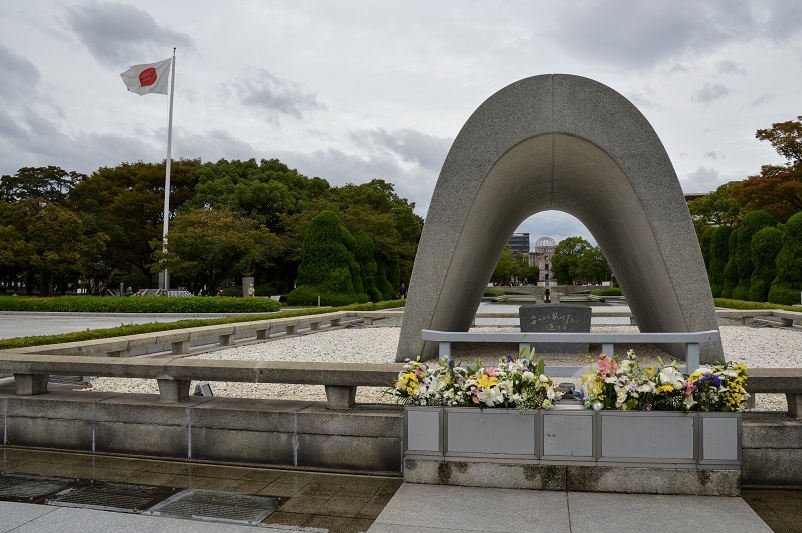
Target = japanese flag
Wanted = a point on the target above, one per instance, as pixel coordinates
(149, 78)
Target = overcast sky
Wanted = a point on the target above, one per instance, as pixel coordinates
(351, 91)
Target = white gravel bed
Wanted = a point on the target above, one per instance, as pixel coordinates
(756, 347)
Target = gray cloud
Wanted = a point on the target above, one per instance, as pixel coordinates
(730, 67)
(763, 99)
(710, 155)
(644, 34)
(709, 93)
(118, 35)
(782, 18)
(213, 145)
(702, 179)
(554, 224)
(276, 96)
(20, 76)
(410, 145)
(338, 168)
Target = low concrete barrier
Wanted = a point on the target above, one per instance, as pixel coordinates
(174, 375)
(607, 340)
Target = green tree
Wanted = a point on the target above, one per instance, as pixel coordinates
(719, 256)
(326, 265)
(566, 259)
(260, 191)
(778, 188)
(787, 285)
(210, 246)
(51, 257)
(718, 207)
(373, 208)
(127, 203)
(592, 265)
(752, 222)
(766, 244)
(502, 274)
(51, 183)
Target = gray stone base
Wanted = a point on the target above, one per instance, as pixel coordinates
(640, 480)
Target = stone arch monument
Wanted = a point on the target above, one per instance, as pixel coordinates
(566, 143)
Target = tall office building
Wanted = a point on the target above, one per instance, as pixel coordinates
(519, 242)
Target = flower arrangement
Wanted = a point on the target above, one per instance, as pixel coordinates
(625, 385)
(516, 382)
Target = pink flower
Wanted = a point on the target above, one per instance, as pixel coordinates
(604, 365)
(689, 388)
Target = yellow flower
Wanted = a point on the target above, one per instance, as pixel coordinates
(665, 388)
(485, 381)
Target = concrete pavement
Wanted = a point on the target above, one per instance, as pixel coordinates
(447, 509)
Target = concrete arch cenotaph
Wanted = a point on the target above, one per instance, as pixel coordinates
(566, 143)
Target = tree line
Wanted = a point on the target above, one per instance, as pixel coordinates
(228, 219)
(750, 231)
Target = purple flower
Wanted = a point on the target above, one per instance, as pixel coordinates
(510, 357)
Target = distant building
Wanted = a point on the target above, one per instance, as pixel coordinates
(542, 257)
(519, 242)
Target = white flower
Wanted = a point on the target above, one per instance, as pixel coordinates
(528, 376)
(672, 376)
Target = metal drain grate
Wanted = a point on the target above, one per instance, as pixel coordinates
(29, 489)
(217, 506)
(118, 497)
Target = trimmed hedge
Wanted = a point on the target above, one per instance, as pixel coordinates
(753, 222)
(731, 277)
(153, 327)
(766, 244)
(612, 291)
(719, 255)
(490, 293)
(139, 304)
(786, 287)
(742, 304)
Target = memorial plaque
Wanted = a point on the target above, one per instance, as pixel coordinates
(545, 318)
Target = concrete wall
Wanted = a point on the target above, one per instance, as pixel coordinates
(289, 433)
(267, 432)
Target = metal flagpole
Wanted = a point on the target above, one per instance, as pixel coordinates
(164, 278)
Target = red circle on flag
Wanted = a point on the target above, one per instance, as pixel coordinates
(147, 77)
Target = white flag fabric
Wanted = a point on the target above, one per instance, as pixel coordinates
(148, 78)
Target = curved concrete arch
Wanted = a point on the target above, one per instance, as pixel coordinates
(566, 143)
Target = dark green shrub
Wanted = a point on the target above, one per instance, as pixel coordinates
(264, 289)
(786, 287)
(731, 278)
(719, 255)
(382, 283)
(704, 245)
(231, 292)
(365, 251)
(612, 291)
(752, 222)
(328, 267)
(741, 304)
(766, 244)
(490, 293)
